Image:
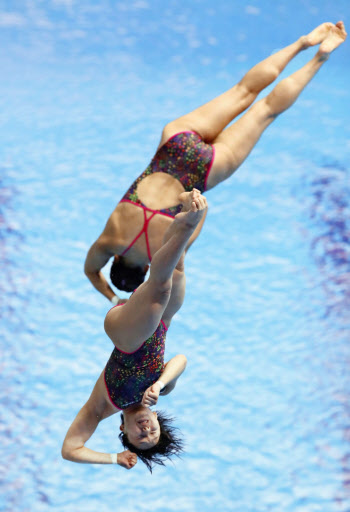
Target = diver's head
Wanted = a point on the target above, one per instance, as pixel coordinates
(126, 277)
(150, 435)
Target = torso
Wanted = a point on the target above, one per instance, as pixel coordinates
(159, 191)
(180, 164)
(128, 375)
(124, 225)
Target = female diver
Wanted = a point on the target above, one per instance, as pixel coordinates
(196, 151)
(135, 373)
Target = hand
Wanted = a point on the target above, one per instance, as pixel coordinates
(117, 301)
(150, 396)
(186, 198)
(122, 301)
(127, 459)
(194, 208)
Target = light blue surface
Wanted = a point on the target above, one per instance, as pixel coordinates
(264, 404)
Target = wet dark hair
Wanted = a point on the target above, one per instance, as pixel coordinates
(124, 277)
(169, 443)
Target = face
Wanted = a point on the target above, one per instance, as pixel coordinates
(141, 426)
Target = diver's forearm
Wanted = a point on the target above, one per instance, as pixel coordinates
(174, 368)
(85, 455)
(99, 282)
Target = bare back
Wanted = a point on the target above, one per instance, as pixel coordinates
(124, 226)
(136, 227)
(159, 191)
(156, 192)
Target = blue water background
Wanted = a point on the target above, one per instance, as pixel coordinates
(264, 403)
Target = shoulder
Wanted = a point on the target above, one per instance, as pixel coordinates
(99, 253)
(106, 243)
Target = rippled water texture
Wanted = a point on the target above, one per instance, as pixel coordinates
(264, 402)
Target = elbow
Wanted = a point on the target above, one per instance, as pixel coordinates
(89, 269)
(87, 272)
(183, 360)
(65, 453)
(93, 277)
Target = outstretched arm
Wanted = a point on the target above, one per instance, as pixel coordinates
(82, 428)
(80, 431)
(173, 369)
(96, 259)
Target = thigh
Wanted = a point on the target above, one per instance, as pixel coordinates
(233, 145)
(182, 124)
(131, 324)
(195, 121)
(210, 119)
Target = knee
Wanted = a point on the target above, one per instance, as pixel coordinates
(271, 72)
(179, 278)
(254, 83)
(180, 267)
(158, 290)
(282, 96)
(246, 91)
(162, 287)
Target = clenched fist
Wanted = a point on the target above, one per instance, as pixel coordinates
(150, 396)
(127, 459)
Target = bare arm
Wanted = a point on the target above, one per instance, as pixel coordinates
(82, 428)
(186, 198)
(80, 431)
(96, 259)
(172, 371)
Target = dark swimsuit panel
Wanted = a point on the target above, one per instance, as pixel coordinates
(128, 375)
(186, 157)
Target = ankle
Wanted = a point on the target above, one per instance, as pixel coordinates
(303, 43)
(322, 55)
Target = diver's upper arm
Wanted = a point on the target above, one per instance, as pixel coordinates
(97, 257)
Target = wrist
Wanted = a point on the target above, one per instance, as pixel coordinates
(114, 300)
(161, 384)
(114, 458)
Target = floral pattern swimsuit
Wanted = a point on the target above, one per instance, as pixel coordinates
(186, 157)
(127, 375)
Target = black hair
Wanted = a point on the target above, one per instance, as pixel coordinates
(170, 443)
(124, 277)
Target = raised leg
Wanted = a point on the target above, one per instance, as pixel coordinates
(234, 144)
(130, 325)
(210, 119)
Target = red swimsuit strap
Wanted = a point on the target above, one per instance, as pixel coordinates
(143, 230)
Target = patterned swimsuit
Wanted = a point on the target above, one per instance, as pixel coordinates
(128, 375)
(186, 157)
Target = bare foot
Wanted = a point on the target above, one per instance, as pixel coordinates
(196, 205)
(186, 199)
(317, 35)
(335, 37)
